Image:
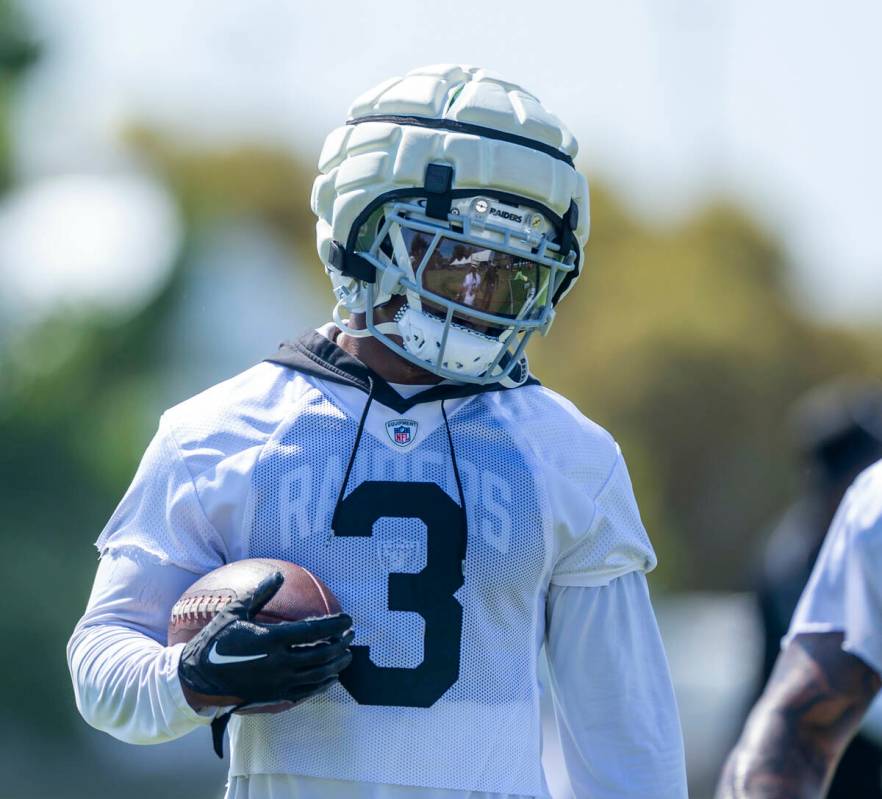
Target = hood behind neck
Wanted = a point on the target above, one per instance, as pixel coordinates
(316, 354)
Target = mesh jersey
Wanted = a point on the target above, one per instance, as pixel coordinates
(844, 593)
(446, 646)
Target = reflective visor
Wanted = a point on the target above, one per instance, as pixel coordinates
(479, 277)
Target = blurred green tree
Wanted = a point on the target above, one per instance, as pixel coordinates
(18, 51)
(241, 180)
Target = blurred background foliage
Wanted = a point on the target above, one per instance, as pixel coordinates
(18, 51)
(685, 340)
(687, 344)
(244, 180)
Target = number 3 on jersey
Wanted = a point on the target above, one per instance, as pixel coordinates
(429, 592)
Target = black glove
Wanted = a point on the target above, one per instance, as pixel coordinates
(247, 662)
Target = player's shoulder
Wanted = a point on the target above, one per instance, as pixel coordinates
(557, 409)
(860, 515)
(236, 413)
(561, 435)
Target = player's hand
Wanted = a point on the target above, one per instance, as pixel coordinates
(241, 661)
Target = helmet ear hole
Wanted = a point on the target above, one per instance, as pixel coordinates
(386, 247)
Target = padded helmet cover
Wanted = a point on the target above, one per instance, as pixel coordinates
(363, 160)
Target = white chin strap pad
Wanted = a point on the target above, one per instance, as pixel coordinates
(466, 352)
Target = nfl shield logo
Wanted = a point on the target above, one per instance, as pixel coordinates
(397, 554)
(401, 431)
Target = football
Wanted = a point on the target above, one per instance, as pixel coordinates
(302, 595)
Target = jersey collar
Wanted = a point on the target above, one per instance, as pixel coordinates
(316, 355)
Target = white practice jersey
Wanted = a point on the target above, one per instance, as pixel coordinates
(844, 593)
(451, 604)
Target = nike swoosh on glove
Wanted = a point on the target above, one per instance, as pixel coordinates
(242, 662)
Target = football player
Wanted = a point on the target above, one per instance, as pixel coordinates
(463, 514)
(829, 669)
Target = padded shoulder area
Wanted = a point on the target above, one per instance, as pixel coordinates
(235, 415)
(862, 509)
(563, 439)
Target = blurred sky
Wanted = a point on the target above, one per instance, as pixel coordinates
(671, 101)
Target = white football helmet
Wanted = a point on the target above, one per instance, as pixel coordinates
(452, 193)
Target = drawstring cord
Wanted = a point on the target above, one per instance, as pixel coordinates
(462, 504)
(358, 435)
(219, 723)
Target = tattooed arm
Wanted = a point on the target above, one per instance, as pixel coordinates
(811, 708)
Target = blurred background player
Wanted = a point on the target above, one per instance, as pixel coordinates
(838, 434)
(828, 672)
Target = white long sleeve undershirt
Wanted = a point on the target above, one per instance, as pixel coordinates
(125, 678)
(616, 712)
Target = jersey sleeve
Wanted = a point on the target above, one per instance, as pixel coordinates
(605, 538)
(844, 592)
(161, 513)
(613, 699)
